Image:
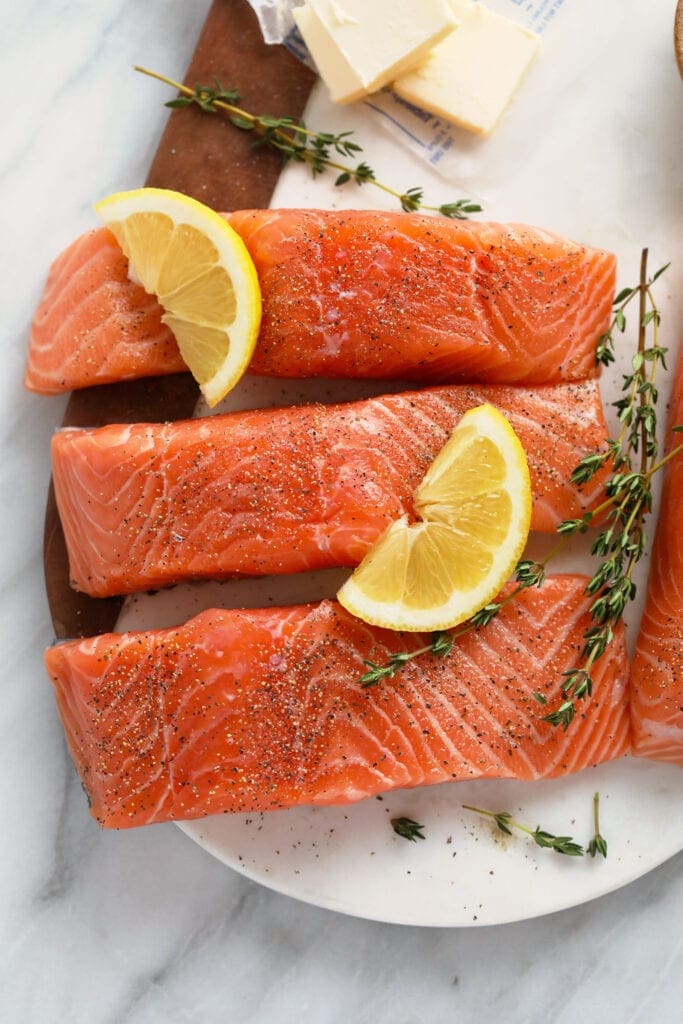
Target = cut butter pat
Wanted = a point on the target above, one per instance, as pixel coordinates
(472, 75)
(359, 46)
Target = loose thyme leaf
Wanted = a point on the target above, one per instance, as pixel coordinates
(459, 210)
(604, 352)
(570, 526)
(564, 715)
(588, 467)
(596, 846)
(560, 844)
(411, 199)
(294, 141)
(363, 172)
(577, 681)
(503, 820)
(408, 829)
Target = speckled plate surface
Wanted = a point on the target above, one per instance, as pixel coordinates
(465, 872)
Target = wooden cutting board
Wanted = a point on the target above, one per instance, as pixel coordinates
(205, 157)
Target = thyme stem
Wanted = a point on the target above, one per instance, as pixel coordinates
(294, 141)
(191, 94)
(597, 845)
(663, 461)
(642, 327)
(506, 823)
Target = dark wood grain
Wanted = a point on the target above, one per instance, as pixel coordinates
(206, 157)
(212, 161)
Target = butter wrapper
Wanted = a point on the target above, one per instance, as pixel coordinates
(450, 150)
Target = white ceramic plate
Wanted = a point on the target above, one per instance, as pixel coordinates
(466, 872)
(533, 169)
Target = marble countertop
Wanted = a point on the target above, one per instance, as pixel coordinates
(144, 927)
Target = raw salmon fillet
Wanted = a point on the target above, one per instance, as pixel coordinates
(352, 294)
(260, 710)
(93, 325)
(657, 675)
(284, 490)
(369, 294)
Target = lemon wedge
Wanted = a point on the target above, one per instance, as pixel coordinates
(474, 507)
(201, 272)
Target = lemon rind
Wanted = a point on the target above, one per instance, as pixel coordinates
(464, 604)
(242, 334)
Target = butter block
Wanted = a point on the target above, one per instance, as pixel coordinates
(470, 77)
(359, 46)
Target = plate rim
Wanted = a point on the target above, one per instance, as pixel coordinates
(190, 829)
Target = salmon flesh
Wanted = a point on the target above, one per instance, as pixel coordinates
(359, 294)
(241, 711)
(286, 490)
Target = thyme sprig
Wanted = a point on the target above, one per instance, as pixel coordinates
(506, 823)
(440, 646)
(597, 845)
(295, 142)
(408, 829)
(547, 840)
(620, 544)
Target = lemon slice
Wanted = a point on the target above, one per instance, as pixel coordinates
(475, 510)
(202, 274)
